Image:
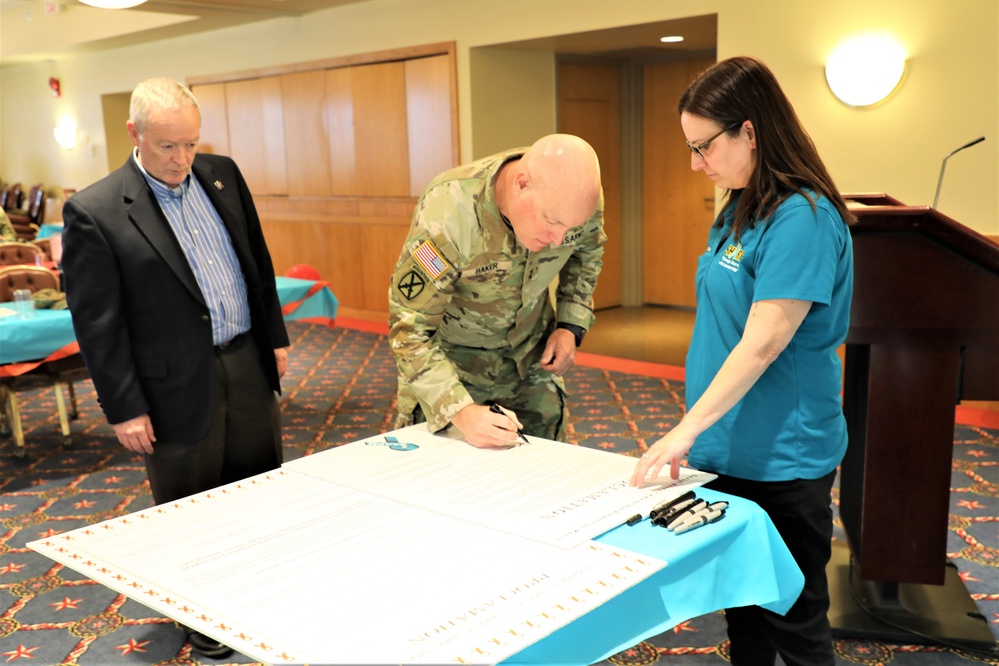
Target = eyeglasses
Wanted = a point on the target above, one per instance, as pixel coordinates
(697, 150)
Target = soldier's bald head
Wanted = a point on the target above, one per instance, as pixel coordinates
(566, 173)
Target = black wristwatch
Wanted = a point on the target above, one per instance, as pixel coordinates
(577, 331)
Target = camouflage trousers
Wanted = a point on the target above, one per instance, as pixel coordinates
(538, 399)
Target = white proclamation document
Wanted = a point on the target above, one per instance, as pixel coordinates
(288, 568)
(548, 491)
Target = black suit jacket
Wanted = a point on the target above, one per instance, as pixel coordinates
(140, 318)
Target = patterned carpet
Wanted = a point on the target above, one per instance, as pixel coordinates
(340, 388)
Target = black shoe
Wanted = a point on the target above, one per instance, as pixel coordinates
(207, 646)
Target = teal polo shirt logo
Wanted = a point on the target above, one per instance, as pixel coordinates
(731, 257)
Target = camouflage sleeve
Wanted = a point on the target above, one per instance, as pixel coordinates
(421, 289)
(7, 231)
(578, 278)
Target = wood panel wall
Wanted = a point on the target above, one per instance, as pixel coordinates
(336, 153)
(589, 106)
(678, 203)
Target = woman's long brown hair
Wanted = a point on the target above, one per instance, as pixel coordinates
(739, 89)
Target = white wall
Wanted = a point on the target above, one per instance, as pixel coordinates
(512, 95)
(951, 94)
(949, 97)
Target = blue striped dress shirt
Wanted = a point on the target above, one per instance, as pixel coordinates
(208, 248)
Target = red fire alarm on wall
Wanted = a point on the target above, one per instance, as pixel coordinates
(54, 85)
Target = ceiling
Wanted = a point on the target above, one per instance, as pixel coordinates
(34, 30)
(700, 36)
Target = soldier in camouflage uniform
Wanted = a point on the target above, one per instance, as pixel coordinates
(470, 311)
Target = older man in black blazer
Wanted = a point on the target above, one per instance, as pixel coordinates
(174, 303)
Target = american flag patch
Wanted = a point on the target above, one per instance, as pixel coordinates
(430, 259)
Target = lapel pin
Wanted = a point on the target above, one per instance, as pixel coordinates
(218, 185)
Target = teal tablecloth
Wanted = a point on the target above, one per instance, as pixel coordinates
(47, 230)
(305, 300)
(51, 330)
(738, 561)
(35, 338)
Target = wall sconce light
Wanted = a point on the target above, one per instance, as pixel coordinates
(866, 70)
(65, 133)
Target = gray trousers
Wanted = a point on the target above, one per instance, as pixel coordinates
(244, 438)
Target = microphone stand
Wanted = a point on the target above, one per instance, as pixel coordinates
(944, 166)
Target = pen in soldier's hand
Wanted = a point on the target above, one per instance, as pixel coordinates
(496, 409)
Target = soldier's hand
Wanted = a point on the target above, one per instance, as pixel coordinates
(485, 429)
(560, 352)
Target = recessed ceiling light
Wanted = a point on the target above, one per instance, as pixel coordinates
(670, 39)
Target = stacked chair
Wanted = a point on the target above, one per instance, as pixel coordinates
(16, 253)
(59, 373)
(27, 223)
(12, 197)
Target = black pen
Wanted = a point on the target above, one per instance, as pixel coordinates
(663, 517)
(683, 515)
(496, 409)
(664, 507)
(699, 520)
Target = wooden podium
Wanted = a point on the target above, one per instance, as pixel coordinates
(924, 334)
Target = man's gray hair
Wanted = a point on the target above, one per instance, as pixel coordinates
(159, 94)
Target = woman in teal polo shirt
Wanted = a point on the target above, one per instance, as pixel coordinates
(763, 376)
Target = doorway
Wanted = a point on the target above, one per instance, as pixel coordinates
(114, 108)
(657, 211)
(617, 88)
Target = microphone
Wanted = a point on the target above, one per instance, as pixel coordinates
(944, 166)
